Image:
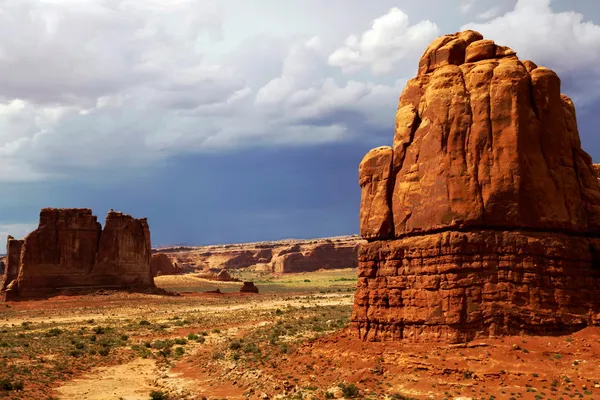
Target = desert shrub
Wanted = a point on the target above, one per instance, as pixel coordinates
(99, 330)
(180, 341)
(104, 351)
(200, 339)
(235, 345)
(7, 384)
(251, 348)
(75, 353)
(158, 395)
(144, 322)
(192, 336)
(216, 330)
(350, 390)
(53, 332)
(179, 351)
(165, 352)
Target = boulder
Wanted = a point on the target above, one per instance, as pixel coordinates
(248, 287)
(483, 218)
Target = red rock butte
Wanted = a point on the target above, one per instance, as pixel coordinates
(70, 251)
(483, 218)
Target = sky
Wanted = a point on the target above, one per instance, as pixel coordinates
(233, 120)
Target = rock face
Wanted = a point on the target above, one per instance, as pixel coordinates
(70, 250)
(13, 258)
(278, 257)
(483, 218)
(248, 287)
(161, 265)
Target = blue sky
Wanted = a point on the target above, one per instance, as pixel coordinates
(231, 121)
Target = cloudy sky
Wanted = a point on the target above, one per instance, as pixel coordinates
(236, 120)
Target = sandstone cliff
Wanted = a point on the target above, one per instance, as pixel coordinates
(278, 257)
(484, 216)
(70, 250)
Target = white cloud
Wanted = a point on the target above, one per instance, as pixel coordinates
(563, 41)
(97, 84)
(466, 5)
(126, 83)
(390, 39)
(18, 231)
(489, 14)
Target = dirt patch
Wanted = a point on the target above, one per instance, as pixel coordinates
(131, 381)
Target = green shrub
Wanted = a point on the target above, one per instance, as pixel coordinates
(350, 390)
(54, 332)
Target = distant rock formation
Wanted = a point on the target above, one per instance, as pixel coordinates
(70, 251)
(483, 218)
(248, 287)
(279, 257)
(161, 265)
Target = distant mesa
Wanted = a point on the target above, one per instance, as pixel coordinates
(70, 252)
(483, 217)
(279, 257)
(248, 287)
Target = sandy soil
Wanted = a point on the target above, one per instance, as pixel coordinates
(131, 381)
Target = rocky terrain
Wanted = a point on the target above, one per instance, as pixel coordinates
(70, 251)
(483, 218)
(278, 257)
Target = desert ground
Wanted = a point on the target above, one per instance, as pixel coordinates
(290, 341)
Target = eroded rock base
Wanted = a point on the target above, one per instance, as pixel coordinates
(457, 286)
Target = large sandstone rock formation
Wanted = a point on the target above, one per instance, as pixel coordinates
(280, 257)
(483, 218)
(70, 250)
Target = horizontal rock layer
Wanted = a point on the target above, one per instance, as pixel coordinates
(456, 286)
